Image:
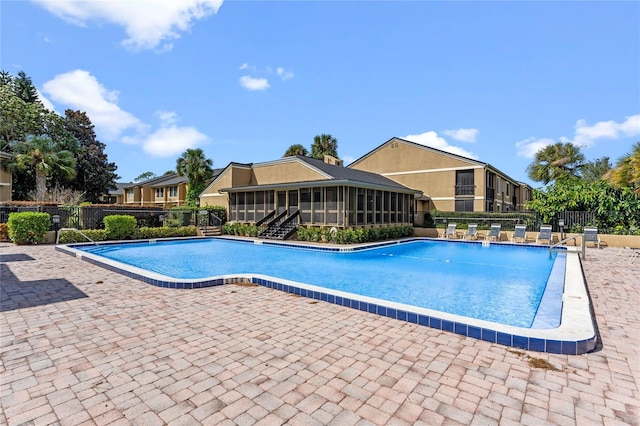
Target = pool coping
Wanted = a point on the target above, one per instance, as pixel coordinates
(575, 335)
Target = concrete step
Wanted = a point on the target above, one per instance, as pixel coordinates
(210, 231)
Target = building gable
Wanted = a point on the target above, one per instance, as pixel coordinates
(399, 155)
(286, 170)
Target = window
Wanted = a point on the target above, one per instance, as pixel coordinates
(173, 191)
(129, 194)
(507, 190)
(260, 200)
(332, 198)
(379, 206)
(464, 205)
(464, 182)
(159, 192)
(269, 204)
(305, 204)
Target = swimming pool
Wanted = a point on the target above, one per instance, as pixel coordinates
(481, 291)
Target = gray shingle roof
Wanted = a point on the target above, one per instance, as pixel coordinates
(344, 173)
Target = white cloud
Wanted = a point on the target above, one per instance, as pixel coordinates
(585, 136)
(463, 135)
(247, 66)
(80, 90)
(251, 83)
(284, 75)
(528, 147)
(149, 24)
(432, 139)
(172, 140)
(167, 117)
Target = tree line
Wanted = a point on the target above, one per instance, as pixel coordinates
(54, 156)
(573, 184)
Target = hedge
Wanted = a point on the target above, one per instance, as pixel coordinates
(119, 226)
(68, 237)
(28, 227)
(353, 236)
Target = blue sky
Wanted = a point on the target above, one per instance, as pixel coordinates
(243, 80)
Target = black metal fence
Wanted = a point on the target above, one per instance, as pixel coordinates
(89, 217)
(567, 221)
(92, 217)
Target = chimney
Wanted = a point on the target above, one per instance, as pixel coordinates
(329, 159)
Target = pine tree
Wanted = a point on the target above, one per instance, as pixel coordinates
(95, 174)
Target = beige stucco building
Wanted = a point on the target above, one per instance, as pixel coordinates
(449, 182)
(165, 191)
(5, 177)
(323, 192)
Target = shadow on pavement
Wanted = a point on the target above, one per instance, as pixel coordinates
(16, 294)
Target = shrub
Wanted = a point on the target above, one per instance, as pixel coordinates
(179, 216)
(241, 229)
(28, 227)
(151, 233)
(353, 236)
(4, 232)
(69, 237)
(428, 220)
(119, 227)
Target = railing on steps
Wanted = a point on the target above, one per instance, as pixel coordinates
(266, 218)
(273, 224)
(72, 229)
(282, 224)
(288, 226)
(583, 248)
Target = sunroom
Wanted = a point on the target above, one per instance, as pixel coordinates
(323, 203)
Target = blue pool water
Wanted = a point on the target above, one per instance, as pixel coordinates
(499, 283)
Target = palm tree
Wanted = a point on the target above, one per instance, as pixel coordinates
(296, 149)
(198, 169)
(626, 174)
(324, 144)
(556, 162)
(41, 154)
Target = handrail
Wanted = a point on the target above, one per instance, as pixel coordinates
(583, 249)
(266, 218)
(290, 218)
(277, 218)
(73, 229)
(217, 218)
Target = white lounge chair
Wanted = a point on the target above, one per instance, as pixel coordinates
(450, 232)
(494, 232)
(590, 235)
(520, 234)
(472, 232)
(544, 234)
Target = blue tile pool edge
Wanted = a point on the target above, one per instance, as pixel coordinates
(575, 335)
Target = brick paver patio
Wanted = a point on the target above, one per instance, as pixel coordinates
(82, 345)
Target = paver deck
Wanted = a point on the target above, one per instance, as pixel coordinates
(83, 345)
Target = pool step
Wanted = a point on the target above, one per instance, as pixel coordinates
(210, 231)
